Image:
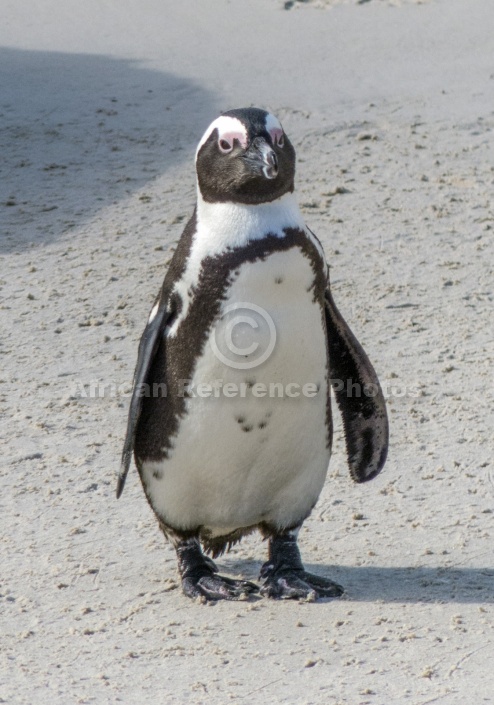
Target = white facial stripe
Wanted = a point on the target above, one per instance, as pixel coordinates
(273, 126)
(229, 128)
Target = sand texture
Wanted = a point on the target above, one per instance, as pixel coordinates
(390, 108)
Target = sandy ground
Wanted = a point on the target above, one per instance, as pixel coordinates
(390, 108)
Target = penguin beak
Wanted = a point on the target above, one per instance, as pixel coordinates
(262, 159)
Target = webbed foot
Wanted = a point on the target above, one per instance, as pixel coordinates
(288, 583)
(200, 577)
(284, 575)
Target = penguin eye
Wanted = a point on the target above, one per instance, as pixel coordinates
(225, 146)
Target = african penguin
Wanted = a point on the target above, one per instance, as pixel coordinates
(230, 418)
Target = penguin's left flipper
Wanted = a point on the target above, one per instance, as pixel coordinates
(359, 397)
(148, 346)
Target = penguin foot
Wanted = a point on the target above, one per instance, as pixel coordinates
(284, 575)
(200, 577)
(217, 587)
(288, 583)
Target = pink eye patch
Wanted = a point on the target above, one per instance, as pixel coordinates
(273, 127)
(226, 139)
(276, 134)
(229, 129)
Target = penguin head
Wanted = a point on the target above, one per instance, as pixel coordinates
(245, 157)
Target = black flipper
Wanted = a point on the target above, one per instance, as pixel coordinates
(147, 349)
(359, 397)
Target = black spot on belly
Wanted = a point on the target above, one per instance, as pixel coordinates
(250, 382)
(278, 280)
(158, 474)
(263, 424)
(160, 417)
(247, 428)
(240, 419)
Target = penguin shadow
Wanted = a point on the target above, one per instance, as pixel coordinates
(80, 132)
(413, 584)
(404, 584)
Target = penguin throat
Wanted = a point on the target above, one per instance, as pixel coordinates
(235, 224)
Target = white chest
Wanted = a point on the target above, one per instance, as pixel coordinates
(252, 446)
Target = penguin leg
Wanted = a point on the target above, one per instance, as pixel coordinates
(200, 577)
(284, 575)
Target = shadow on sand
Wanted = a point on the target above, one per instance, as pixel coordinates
(79, 132)
(404, 584)
(422, 584)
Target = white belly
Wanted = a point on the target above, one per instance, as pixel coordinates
(253, 445)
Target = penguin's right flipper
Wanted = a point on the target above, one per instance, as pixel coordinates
(359, 397)
(148, 346)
